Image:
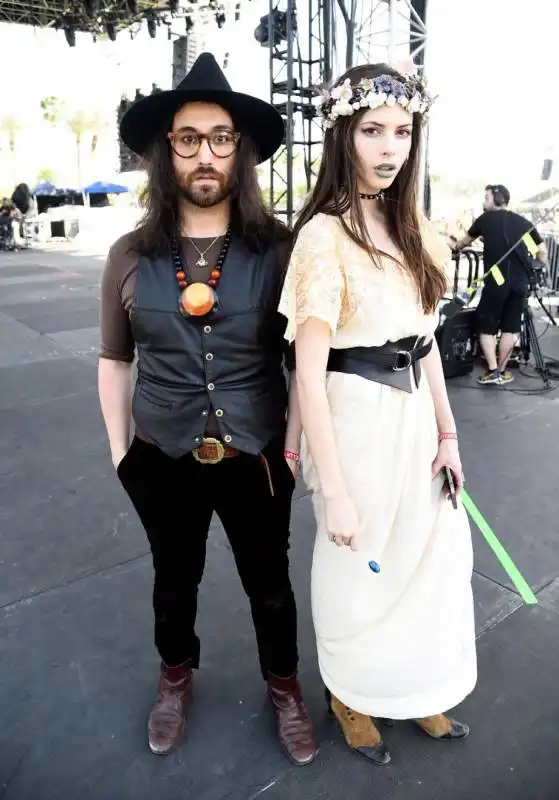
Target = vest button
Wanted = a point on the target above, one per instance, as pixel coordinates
(209, 356)
(204, 413)
(219, 412)
(207, 328)
(227, 438)
(197, 440)
(211, 386)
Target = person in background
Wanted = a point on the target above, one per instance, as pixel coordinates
(500, 307)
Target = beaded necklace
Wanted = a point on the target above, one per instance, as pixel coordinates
(198, 298)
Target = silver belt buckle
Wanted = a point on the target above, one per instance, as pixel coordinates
(399, 367)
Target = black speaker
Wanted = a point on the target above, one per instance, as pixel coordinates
(456, 337)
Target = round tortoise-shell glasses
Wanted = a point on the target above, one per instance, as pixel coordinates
(187, 144)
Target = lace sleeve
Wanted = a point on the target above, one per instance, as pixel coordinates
(314, 284)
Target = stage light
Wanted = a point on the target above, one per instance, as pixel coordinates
(173, 6)
(188, 24)
(278, 21)
(110, 27)
(70, 35)
(220, 19)
(152, 27)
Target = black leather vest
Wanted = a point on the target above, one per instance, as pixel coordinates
(231, 361)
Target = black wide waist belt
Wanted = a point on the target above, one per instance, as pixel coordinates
(394, 364)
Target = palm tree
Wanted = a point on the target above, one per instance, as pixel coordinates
(10, 126)
(45, 174)
(53, 109)
(79, 124)
(98, 126)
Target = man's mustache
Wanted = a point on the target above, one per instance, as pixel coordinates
(205, 173)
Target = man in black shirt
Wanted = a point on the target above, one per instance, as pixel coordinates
(500, 307)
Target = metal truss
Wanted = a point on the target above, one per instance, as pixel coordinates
(300, 49)
(305, 51)
(106, 16)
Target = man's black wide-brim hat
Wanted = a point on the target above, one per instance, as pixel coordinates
(152, 116)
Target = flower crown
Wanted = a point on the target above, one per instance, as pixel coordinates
(346, 99)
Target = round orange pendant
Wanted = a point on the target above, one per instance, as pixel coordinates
(197, 299)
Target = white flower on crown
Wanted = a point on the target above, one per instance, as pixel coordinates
(405, 67)
(415, 104)
(344, 109)
(346, 99)
(375, 100)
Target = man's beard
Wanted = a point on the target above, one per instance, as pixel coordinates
(205, 195)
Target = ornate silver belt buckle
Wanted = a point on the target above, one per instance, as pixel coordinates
(213, 448)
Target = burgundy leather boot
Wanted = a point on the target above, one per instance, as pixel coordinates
(168, 716)
(295, 730)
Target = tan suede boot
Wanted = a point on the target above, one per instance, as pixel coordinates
(359, 731)
(439, 726)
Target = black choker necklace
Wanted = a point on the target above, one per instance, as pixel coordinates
(377, 196)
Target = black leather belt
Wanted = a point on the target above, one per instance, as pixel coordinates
(394, 364)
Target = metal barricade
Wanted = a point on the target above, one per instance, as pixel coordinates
(464, 276)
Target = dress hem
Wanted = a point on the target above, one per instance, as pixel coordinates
(427, 704)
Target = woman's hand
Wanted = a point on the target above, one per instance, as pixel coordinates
(448, 456)
(342, 522)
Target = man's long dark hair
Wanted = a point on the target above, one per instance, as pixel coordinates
(336, 192)
(251, 221)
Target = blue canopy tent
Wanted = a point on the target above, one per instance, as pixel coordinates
(99, 187)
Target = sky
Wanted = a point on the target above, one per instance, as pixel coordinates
(491, 64)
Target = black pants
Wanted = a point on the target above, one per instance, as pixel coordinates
(175, 500)
(500, 309)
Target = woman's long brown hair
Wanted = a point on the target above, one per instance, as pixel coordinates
(336, 192)
(251, 220)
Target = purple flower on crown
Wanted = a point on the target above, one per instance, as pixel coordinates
(388, 85)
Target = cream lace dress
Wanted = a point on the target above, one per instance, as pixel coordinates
(399, 643)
